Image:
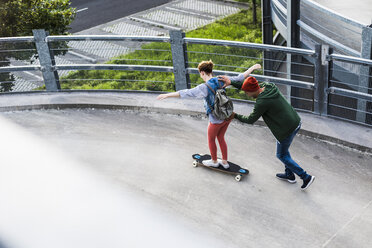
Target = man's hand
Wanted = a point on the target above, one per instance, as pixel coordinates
(232, 116)
(225, 79)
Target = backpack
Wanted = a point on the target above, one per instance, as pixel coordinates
(223, 105)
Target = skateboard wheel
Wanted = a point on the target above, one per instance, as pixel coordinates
(238, 178)
(195, 164)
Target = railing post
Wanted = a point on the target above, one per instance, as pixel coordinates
(293, 30)
(267, 36)
(179, 57)
(293, 36)
(321, 79)
(47, 62)
(365, 72)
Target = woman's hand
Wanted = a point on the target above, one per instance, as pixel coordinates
(256, 67)
(161, 96)
(172, 94)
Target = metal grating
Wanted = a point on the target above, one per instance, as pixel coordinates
(124, 28)
(208, 7)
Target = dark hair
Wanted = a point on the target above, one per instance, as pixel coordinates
(206, 66)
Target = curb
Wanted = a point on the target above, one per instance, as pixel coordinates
(246, 5)
(195, 114)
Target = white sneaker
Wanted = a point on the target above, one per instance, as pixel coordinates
(210, 163)
(226, 166)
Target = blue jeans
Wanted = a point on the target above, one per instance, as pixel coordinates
(283, 155)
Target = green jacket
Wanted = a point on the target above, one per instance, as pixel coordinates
(277, 113)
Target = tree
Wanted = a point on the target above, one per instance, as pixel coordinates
(20, 17)
(254, 9)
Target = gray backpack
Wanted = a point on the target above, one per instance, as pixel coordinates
(223, 105)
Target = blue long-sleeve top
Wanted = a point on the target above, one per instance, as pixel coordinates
(201, 91)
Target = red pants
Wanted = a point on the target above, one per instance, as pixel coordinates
(217, 131)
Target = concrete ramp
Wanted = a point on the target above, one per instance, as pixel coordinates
(124, 178)
(50, 198)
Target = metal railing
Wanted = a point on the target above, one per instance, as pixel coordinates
(319, 24)
(314, 74)
(306, 24)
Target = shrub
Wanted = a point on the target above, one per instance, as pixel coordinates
(237, 27)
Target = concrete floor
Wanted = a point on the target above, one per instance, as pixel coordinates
(148, 156)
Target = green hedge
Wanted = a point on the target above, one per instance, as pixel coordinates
(237, 27)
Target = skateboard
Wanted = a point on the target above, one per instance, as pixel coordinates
(234, 169)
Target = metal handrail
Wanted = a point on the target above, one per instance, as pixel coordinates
(107, 37)
(18, 39)
(180, 64)
(21, 68)
(280, 6)
(332, 13)
(350, 93)
(283, 81)
(186, 40)
(350, 59)
(240, 44)
(321, 36)
(113, 67)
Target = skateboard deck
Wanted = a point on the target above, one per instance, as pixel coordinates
(234, 169)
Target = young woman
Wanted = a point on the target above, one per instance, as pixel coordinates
(216, 128)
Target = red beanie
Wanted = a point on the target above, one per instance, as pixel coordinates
(250, 85)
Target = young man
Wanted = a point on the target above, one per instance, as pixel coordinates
(279, 116)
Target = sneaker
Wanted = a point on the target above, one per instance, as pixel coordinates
(226, 166)
(286, 177)
(307, 182)
(210, 163)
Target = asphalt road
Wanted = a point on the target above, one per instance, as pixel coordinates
(91, 13)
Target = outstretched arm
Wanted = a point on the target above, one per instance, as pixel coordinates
(257, 112)
(251, 69)
(199, 91)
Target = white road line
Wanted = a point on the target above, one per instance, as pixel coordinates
(188, 12)
(80, 10)
(154, 23)
(347, 223)
(31, 74)
(92, 60)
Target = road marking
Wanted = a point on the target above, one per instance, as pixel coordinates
(80, 10)
(154, 23)
(347, 223)
(188, 12)
(92, 60)
(31, 74)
